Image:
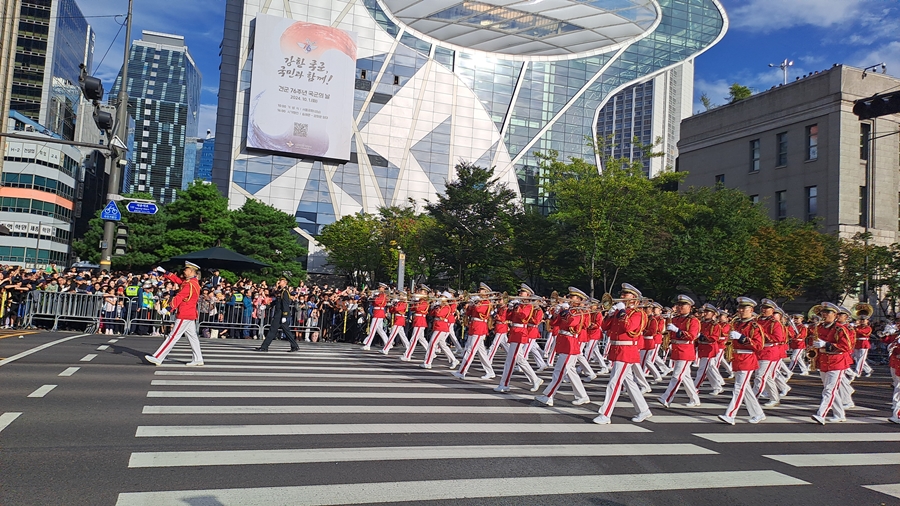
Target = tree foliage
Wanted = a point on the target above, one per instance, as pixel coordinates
(738, 92)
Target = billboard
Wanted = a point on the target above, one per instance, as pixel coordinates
(301, 88)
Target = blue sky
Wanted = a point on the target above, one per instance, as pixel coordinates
(814, 34)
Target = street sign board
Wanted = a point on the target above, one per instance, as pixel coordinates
(111, 212)
(142, 207)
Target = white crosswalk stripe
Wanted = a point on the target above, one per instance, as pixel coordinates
(404, 414)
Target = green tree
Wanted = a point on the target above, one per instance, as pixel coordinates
(737, 93)
(707, 102)
(262, 232)
(355, 247)
(541, 251)
(198, 219)
(403, 229)
(472, 233)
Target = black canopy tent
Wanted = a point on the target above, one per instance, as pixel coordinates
(221, 258)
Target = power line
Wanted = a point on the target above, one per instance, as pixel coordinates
(32, 18)
(97, 66)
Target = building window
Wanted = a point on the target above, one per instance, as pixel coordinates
(812, 202)
(781, 141)
(781, 204)
(754, 199)
(864, 130)
(754, 155)
(720, 179)
(863, 206)
(812, 142)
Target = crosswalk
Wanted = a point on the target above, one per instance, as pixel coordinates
(272, 424)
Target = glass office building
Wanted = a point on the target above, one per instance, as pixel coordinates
(164, 99)
(443, 81)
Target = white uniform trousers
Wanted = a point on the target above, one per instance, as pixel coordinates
(681, 376)
(396, 331)
(637, 373)
(743, 393)
(377, 326)
(895, 401)
(475, 346)
(534, 349)
(593, 352)
(453, 339)
(765, 380)
(798, 359)
(515, 356)
(831, 398)
(860, 365)
(660, 361)
(622, 374)
(181, 328)
(565, 368)
(418, 337)
(722, 363)
(783, 370)
(780, 380)
(707, 370)
(581, 363)
(845, 391)
(647, 363)
(499, 340)
(549, 345)
(439, 340)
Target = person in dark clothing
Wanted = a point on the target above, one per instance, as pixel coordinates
(281, 309)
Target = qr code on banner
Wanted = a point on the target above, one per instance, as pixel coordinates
(300, 129)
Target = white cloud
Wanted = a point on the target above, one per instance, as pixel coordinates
(889, 54)
(207, 119)
(769, 15)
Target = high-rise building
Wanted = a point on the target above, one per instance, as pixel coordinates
(650, 111)
(164, 100)
(799, 150)
(205, 162)
(9, 31)
(436, 82)
(53, 40)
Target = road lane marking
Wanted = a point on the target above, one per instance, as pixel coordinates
(103, 347)
(284, 367)
(17, 333)
(111, 341)
(70, 371)
(39, 348)
(313, 384)
(802, 437)
(323, 395)
(88, 357)
(7, 418)
(838, 459)
(374, 428)
(308, 456)
(436, 490)
(427, 376)
(892, 489)
(304, 409)
(42, 391)
(770, 419)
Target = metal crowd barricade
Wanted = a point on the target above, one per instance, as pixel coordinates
(228, 320)
(58, 307)
(305, 324)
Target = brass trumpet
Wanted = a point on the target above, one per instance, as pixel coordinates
(607, 301)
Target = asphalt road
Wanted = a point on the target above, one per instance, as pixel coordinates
(337, 425)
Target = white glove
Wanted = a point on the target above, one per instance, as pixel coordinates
(890, 329)
(818, 343)
(160, 270)
(735, 335)
(564, 306)
(618, 306)
(164, 311)
(672, 328)
(284, 320)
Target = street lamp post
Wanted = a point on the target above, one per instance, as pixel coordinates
(784, 67)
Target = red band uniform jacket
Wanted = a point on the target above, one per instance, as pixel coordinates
(625, 331)
(746, 348)
(682, 342)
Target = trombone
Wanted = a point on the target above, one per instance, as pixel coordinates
(607, 301)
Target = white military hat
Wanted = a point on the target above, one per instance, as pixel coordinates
(746, 301)
(627, 288)
(684, 299)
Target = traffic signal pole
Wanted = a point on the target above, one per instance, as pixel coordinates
(115, 169)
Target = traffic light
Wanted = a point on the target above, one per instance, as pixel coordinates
(121, 242)
(92, 88)
(103, 119)
(878, 105)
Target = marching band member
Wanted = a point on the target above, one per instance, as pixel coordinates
(501, 331)
(398, 326)
(624, 326)
(378, 305)
(554, 322)
(747, 339)
(184, 305)
(440, 330)
(770, 355)
(648, 346)
(567, 347)
(477, 312)
(780, 377)
(861, 349)
(420, 313)
(594, 336)
(519, 314)
(587, 339)
(451, 320)
(660, 356)
(724, 329)
(797, 344)
(708, 349)
(833, 343)
(533, 349)
(845, 389)
(891, 337)
(685, 328)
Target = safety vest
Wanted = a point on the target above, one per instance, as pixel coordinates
(238, 297)
(147, 300)
(132, 291)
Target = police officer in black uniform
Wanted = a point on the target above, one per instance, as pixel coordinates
(281, 314)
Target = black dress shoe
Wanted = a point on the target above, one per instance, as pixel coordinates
(293, 350)
(261, 349)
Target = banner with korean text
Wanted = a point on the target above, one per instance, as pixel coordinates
(301, 88)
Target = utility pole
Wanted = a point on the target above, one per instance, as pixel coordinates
(115, 169)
